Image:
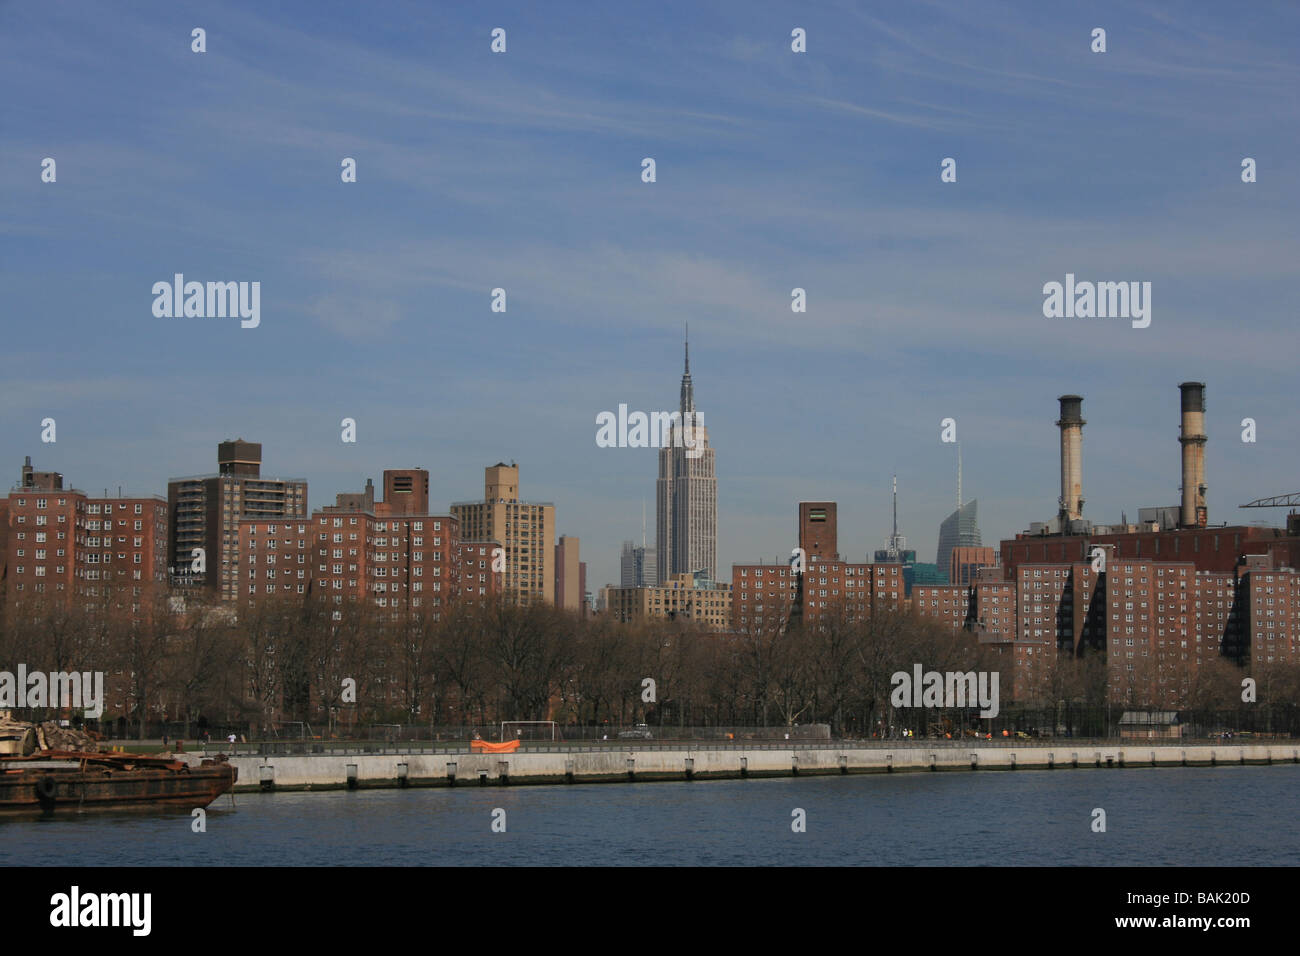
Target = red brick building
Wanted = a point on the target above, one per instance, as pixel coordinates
(477, 579)
(1207, 549)
(947, 603)
(965, 562)
(1270, 601)
(206, 511)
(764, 594)
(61, 541)
(390, 553)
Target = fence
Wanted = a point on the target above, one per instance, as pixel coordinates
(272, 748)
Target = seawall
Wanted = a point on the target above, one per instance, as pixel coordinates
(337, 771)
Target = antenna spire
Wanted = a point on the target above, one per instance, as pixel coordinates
(895, 506)
(688, 390)
(959, 476)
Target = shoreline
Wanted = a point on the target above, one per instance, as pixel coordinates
(362, 771)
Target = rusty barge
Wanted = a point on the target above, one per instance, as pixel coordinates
(60, 782)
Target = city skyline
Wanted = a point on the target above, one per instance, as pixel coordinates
(313, 504)
(478, 172)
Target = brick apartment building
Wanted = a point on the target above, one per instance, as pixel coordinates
(525, 531)
(392, 553)
(62, 541)
(206, 511)
(767, 594)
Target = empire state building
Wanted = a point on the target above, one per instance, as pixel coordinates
(686, 495)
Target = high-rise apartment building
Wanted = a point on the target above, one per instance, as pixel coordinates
(205, 512)
(391, 553)
(773, 595)
(686, 494)
(525, 530)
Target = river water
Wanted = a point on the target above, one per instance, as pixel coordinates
(1176, 817)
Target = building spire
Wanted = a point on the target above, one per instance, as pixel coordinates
(895, 506)
(688, 390)
(959, 476)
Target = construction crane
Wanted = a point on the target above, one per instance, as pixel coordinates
(1277, 501)
(1291, 501)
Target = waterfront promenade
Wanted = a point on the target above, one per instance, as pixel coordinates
(320, 767)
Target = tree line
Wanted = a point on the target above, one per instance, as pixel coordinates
(342, 668)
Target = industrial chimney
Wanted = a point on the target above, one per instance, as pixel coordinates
(1071, 425)
(1192, 438)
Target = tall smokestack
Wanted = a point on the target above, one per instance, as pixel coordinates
(1192, 438)
(1071, 424)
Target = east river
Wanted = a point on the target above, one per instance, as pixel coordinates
(1154, 817)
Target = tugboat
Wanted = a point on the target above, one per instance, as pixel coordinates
(50, 781)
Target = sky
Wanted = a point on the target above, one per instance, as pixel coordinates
(775, 170)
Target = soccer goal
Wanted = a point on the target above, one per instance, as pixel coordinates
(529, 730)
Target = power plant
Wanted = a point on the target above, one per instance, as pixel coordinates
(1192, 438)
(1071, 425)
(1180, 532)
(1192, 513)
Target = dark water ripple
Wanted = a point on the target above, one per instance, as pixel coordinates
(1167, 817)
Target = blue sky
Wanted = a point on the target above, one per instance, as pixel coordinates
(775, 170)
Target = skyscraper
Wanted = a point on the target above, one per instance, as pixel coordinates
(686, 494)
(637, 564)
(959, 530)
